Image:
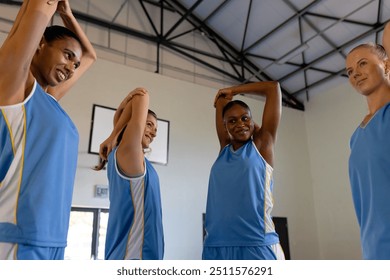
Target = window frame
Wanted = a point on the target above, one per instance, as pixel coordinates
(95, 226)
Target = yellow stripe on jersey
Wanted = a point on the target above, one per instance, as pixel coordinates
(22, 159)
(16, 121)
(9, 130)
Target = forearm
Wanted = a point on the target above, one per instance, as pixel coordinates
(122, 117)
(19, 16)
(259, 88)
(18, 49)
(34, 16)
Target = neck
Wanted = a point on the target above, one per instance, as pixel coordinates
(35, 75)
(377, 100)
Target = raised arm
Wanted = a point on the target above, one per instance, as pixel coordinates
(223, 97)
(130, 154)
(264, 135)
(19, 48)
(121, 119)
(88, 57)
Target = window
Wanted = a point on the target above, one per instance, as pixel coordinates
(87, 234)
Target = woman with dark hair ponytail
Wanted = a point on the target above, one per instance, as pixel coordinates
(134, 230)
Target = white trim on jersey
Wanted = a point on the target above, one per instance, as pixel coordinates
(16, 121)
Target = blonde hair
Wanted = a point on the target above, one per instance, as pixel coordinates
(377, 49)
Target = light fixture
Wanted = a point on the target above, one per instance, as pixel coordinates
(293, 53)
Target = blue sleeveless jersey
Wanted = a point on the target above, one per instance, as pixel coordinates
(239, 200)
(134, 229)
(369, 172)
(38, 159)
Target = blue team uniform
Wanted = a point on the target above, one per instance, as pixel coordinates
(239, 204)
(38, 159)
(369, 171)
(134, 229)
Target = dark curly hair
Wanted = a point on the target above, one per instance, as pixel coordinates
(232, 103)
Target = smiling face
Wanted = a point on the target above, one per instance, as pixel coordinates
(239, 125)
(366, 70)
(150, 131)
(56, 62)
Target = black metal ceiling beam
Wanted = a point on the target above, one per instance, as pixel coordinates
(323, 36)
(303, 17)
(319, 82)
(183, 18)
(217, 69)
(158, 4)
(198, 51)
(290, 100)
(148, 16)
(205, 20)
(216, 10)
(221, 44)
(303, 55)
(342, 71)
(10, 2)
(246, 25)
(378, 28)
(283, 24)
(298, 65)
(119, 11)
(338, 19)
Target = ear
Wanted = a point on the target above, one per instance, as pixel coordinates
(41, 44)
(387, 67)
(224, 126)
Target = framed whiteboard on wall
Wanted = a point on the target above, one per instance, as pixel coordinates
(102, 125)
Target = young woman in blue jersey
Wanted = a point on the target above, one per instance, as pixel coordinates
(134, 230)
(368, 67)
(38, 141)
(239, 202)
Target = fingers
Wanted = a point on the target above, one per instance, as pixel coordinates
(63, 7)
(139, 91)
(52, 2)
(223, 93)
(136, 91)
(103, 151)
(219, 94)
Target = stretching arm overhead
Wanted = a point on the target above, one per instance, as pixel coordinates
(121, 119)
(265, 135)
(88, 57)
(130, 153)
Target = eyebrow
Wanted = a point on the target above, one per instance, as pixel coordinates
(357, 62)
(72, 54)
